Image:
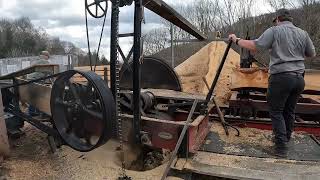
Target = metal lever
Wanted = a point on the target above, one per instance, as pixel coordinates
(214, 83)
(181, 137)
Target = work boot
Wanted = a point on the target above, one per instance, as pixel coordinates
(289, 137)
(279, 150)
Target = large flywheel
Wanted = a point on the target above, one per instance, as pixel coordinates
(83, 110)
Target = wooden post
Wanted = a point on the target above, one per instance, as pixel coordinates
(4, 144)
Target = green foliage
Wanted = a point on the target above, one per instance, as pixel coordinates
(20, 38)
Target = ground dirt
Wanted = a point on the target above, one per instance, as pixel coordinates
(31, 159)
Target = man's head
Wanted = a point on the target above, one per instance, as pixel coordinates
(282, 15)
(45, 55)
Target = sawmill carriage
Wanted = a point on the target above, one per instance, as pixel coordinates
(142, 101)
(84, 111)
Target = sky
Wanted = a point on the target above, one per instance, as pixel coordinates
(65, 19)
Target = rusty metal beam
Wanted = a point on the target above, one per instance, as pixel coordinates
(164, 10)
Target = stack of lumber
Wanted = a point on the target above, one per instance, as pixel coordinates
(100, 70)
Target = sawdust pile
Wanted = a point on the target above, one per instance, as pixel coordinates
(31, 159)
(205, 64)
(251, 136)
(218, 159)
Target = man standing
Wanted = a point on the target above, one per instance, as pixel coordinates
(44, 59)
(14, 124)
(289, 46)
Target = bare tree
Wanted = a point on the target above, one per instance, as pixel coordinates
(278, 4)
(155, 40)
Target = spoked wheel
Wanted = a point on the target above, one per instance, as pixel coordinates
(97, 8)
(83, 110)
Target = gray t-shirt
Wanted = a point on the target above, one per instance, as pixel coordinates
(289, 47)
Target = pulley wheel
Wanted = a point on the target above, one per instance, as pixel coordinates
(83, 110)
(97, 8)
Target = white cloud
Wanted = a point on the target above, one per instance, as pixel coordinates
(65, 19)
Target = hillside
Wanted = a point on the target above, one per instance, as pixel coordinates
(182, 52)
(255, 26)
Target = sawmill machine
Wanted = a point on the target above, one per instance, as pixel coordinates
(143, 102)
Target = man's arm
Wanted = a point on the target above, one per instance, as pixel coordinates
(263, 42)
(247, 44)
(310, 49)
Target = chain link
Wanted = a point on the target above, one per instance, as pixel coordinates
(115, 14)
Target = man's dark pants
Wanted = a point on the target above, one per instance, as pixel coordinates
(283, 94)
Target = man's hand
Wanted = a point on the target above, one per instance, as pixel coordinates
(233, 37)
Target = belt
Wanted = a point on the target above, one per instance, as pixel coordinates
(290, 73)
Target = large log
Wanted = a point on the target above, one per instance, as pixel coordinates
(258, 78)
(205, 64)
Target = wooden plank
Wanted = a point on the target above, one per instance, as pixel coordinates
(242, 167)
(176, 94)
(100, 70)
(80, 78)
(46, 68)
(4, 143)
(196, 122)
(87, 68)
(259, 78)
(37, 95)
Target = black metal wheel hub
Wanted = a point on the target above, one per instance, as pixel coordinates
(83, 112)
